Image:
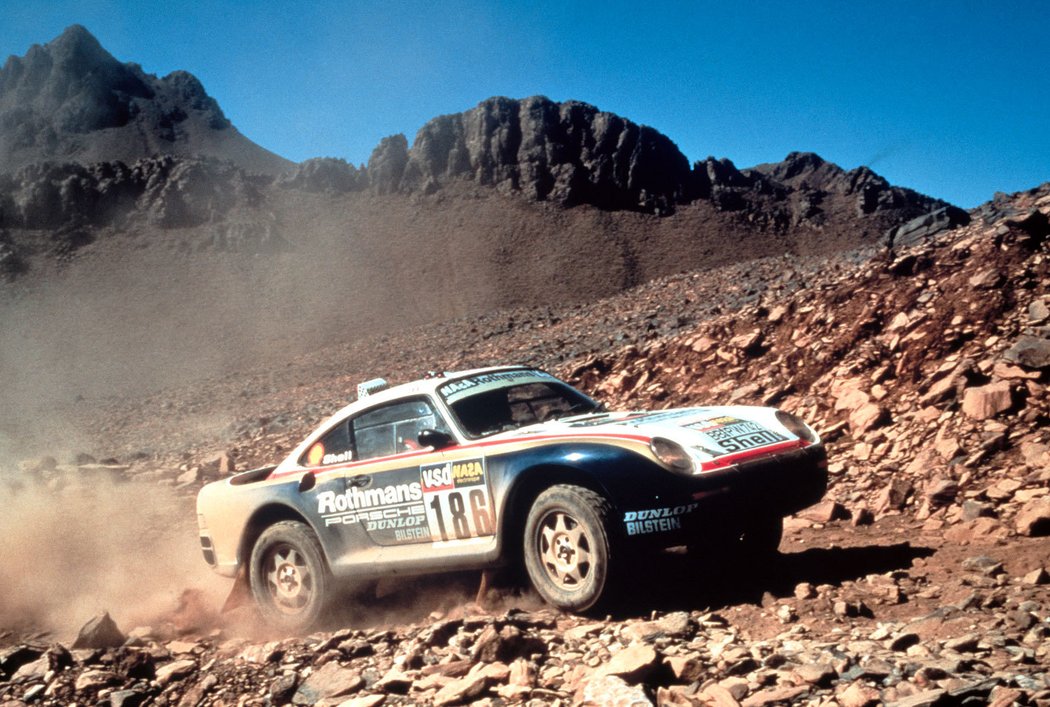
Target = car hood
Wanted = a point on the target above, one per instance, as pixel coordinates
(707, 432)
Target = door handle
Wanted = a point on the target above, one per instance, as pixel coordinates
(362, 480)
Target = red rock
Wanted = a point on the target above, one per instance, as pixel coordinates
(1034, 518)
(677, 696)
(1003, 696)
(685, 668)
(462, 690)
(947, 447)
(718, 696)
(174, 670)
(893, 496)
(851, 399)
(774, 695)
(522, 673)
(824, 512)
(867, 417)
(634, 663)
(605, 690)
(364, 701)
(976, 530)
(858, 694)
(987, 401)
(941, 492)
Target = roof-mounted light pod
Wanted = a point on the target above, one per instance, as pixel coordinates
(370, 387)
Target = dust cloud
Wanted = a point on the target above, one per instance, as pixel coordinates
(76, 546)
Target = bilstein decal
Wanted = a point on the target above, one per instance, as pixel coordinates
(656, 520)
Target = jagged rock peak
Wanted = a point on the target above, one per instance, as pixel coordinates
(569, 152)
(70, 99)
(75, 50)
(805, 169)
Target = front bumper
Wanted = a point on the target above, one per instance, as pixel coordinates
(729, 500)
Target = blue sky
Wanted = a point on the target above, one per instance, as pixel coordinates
(949, 98)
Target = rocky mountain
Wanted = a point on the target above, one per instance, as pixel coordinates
(572, 153)
(112, 181)
(70, 100)
(92, 119)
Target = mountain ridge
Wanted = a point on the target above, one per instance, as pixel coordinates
(71, 100)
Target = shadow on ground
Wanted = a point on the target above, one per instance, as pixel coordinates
(666, 582)
(684, 581)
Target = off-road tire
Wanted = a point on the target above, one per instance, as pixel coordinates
(568, 549)
(289, 578)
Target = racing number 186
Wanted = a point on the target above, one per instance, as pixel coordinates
(454, 514)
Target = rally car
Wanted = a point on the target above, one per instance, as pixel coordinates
(477, 469)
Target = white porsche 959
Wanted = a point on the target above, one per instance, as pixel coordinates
(482, 468)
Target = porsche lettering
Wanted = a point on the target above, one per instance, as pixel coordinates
(381, 518)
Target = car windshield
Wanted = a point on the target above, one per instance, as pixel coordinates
(506, 400)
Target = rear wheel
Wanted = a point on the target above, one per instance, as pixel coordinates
(289, 577)
(567, 547)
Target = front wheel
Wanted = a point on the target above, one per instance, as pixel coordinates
(567, 547)
(289, 577)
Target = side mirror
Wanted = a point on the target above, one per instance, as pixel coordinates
(435, 439)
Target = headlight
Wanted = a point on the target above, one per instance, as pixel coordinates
(672, 454)
(796, 426)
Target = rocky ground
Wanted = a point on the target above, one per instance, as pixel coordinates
(922, 580)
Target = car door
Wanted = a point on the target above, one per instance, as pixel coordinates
(384, 487)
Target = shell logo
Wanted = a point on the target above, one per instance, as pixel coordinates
(315, 455)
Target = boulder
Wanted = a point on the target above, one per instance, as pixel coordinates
(633, 664)
(867, 417)
(602, 690)
(825, 512)
(330, 680)
(1030, 352)
(927, 225)
(99, 632)
(986, 401)
(1034, 518)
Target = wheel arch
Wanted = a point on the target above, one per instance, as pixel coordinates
(262, 519)
(528, 485)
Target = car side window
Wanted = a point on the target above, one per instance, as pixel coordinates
(394, 428)
(333, 448)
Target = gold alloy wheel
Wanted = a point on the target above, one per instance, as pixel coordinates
(289, 579)
(565, 550)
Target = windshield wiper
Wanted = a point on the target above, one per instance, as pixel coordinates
(580, 409)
